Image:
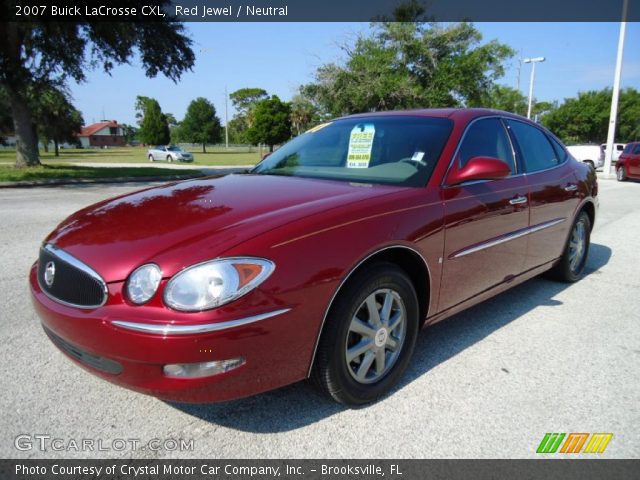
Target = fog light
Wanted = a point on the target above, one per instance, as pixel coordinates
(204, 369)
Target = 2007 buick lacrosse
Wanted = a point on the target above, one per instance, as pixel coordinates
(323, 261)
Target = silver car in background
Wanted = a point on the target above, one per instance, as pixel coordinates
(170, 153)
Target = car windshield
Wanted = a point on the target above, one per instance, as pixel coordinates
(174, 148)
(393, 150)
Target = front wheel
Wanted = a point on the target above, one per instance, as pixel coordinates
(169, 158)
(621, 175)
(369, 336)
(150, 158)
(571, 265)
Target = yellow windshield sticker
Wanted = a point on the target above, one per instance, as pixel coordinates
(360, 145)
(318, 127)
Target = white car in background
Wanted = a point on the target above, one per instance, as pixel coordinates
(617, 151)
(592, 155)
(170, 153)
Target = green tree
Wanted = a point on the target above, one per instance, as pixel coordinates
(6, 123)
(585, 118)
(200, 124)
(43, 53)
(303, 114)
(410, 65)
(57, 119)
(154, 128)
(507, 99)
(243, 101)
(130, 133)
(271, 122)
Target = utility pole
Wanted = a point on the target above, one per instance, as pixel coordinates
(226, 118)
(533, 62)
(608, 153)
(519, 69)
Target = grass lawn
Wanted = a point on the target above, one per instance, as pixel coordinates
(217, 156)
(50, 172)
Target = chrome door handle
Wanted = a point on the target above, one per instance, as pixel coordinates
(571, 188)
(518, 200)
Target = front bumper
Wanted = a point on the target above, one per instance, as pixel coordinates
(276, 352)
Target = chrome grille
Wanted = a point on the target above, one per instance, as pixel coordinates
(67, 280)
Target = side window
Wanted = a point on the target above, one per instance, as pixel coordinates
(534, 147)
(637, 149)
(561, 152)
(486, 138)
(628, 148)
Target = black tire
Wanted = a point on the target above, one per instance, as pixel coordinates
(169, 158)
(151, 158)
(565, 270)
(331, 371)
(621, 174)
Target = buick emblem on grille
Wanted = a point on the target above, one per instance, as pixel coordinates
(49, 273)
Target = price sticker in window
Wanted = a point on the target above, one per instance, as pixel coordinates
(360, 145)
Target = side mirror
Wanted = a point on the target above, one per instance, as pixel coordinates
(480, 168)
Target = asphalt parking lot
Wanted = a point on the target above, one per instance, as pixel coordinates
(488, 383)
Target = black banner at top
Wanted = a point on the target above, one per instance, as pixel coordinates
(321, 10)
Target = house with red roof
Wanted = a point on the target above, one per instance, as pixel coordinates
(107, 133)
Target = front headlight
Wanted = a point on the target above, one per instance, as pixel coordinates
(143, 283)
(211, 284)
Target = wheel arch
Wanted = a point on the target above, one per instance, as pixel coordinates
(408, 259)
(590, 209)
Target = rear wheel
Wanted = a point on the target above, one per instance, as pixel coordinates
(574, 258)
(369, 336)
(621, 174)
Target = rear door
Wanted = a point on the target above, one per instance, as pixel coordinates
(553, 191)
(483, 219)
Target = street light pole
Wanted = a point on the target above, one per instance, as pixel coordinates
(608, 153)
(226, 118)
(533, 62)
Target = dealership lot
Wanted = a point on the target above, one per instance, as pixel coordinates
(490, 382)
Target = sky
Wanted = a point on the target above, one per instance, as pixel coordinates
(279, 57)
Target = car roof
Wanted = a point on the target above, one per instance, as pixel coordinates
(459, 114)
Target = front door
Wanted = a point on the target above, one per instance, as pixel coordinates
(483, 219)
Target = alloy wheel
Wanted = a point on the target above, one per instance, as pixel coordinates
(376, 336)
(577, 245)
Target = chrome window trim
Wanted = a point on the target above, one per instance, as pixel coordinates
(506, 238)
(74, 262)
(176, 329)
(344, 280)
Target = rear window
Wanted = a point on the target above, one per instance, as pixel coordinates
(628, 148)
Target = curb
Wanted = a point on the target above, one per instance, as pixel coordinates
(89, 181)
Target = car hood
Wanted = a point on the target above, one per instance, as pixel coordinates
(183, 223)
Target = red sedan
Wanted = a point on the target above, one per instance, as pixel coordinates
(628, 165)
(324, 261)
